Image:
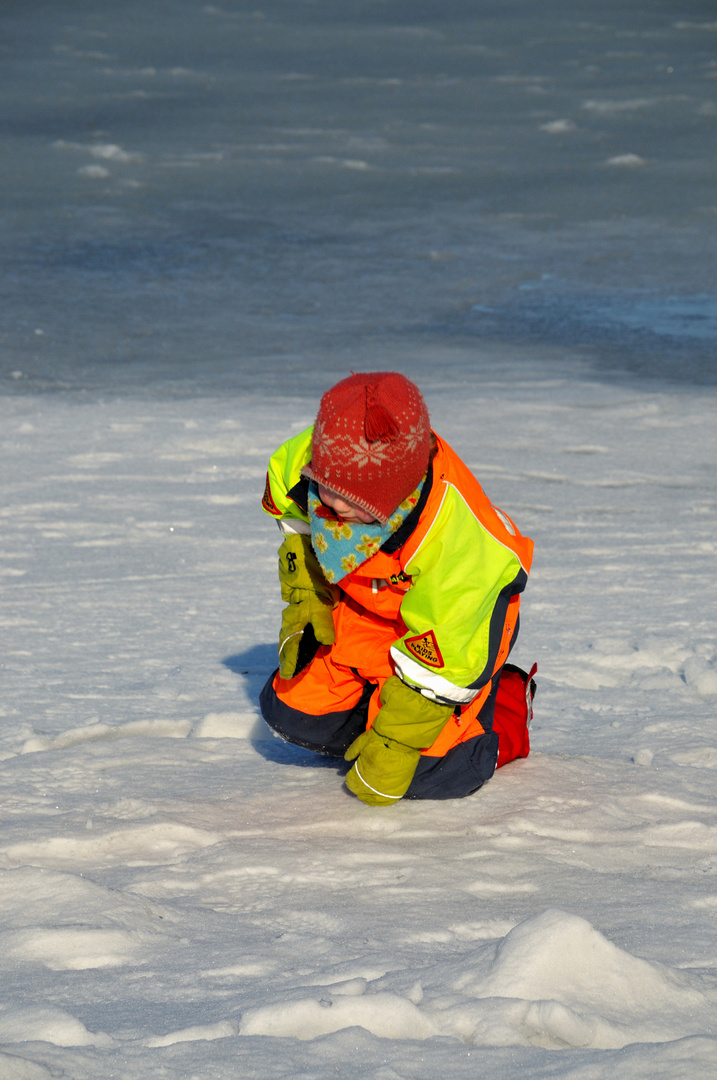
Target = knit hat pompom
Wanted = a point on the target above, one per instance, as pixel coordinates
(371, 441)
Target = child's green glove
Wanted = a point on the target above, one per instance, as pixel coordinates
(388, 753)
(310, 601)
(384, 769)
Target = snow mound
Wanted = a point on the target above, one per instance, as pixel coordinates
(389, 1016)
(553, 981)
(557, 955)
(152, 729)
(47, 1025)
(563, 984)
(29, 893)
(198, 1033)
(226, 725)
(135, 846)
(701, 676)
(16, 1068)
(69, 949)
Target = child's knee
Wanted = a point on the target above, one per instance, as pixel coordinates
(328, 733)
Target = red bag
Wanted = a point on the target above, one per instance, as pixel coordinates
(513, 712)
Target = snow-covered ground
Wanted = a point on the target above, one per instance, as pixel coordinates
(181, 892)
(181, 895)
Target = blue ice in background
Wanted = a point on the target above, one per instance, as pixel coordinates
(236, 196)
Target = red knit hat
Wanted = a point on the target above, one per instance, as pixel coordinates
(371, 441)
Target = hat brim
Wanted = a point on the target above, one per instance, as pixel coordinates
(343, 493)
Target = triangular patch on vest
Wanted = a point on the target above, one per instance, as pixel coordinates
(425, 648)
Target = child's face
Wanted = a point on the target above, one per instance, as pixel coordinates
(354, 515)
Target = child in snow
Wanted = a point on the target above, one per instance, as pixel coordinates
(402, 584)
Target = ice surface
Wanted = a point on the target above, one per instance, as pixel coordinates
(213, 211)
(213, 197)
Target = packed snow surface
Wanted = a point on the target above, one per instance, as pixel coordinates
(183, 891)
(216, 211)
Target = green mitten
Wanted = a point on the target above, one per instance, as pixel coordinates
(388, 753)
(384, 769)
(310, 601)
(409, 717)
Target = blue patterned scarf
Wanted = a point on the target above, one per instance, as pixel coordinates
(341, 547)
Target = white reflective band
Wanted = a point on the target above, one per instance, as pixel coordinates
(297, 633)
(436, 685)
(291, 526)
(505, 519)
(373, 789)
